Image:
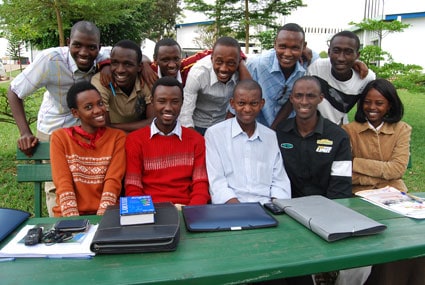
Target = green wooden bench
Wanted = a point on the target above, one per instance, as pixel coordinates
(33, 169)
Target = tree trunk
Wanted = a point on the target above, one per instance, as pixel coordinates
(60, 24)
(246, 27)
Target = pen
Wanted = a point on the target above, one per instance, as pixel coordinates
(112, 88)
(413, 197)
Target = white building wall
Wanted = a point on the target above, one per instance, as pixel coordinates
(406, 47)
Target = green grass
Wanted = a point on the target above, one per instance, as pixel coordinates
(20, 195)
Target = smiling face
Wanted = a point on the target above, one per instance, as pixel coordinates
(169, 60)
(84, 49)
(125, 67)
(305, 97)
(90, 110)
(375, 107)
(247, 104)
(343, 54)
(289, 46)
(225, 60)
(167, 102)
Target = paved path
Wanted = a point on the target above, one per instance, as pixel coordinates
(11, 67)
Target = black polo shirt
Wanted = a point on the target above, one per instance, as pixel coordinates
(318, 164)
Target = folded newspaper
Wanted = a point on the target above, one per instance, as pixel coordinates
(394, 200)
(327, 218)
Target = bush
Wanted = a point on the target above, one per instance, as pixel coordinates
(31, 104)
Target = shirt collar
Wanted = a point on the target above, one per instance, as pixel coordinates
(237, 130)
(176, 131)
(378, 128)
(276, 65)
(74, 68)
(292, 125)
(179, 75)
(214, 79)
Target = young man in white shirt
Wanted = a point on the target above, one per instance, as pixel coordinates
(244, 163)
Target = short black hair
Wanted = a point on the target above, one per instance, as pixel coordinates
(347, 34)
(309, 78)
(77, 88)
(165, 42)
(387, 89)
(248, 84)
(167, 81)
(86, 27)
(128, 44)
(229, 42)
(292, 27)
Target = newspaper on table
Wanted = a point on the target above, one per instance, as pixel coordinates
(394, 200)
(77, 247)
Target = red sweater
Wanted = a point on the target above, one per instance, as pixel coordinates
(87, 180)
(167, 168)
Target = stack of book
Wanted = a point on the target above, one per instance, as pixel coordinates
(136, 210)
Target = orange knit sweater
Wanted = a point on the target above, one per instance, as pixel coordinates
(87, 180)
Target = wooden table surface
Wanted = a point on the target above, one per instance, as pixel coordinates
(232, 257)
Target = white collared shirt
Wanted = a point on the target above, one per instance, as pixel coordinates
(176, 131)
(247, 168)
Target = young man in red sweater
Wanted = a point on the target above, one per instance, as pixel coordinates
(166, 160)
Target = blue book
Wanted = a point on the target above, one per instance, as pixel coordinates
(136, 210)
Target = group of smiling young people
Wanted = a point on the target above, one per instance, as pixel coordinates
(267, 122)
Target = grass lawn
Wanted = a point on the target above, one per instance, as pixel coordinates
(20, 195)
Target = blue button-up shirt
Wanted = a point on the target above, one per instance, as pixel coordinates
(265, 69)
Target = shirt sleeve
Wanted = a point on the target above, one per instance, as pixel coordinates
(34, 77)
(199, 194)
(189, 99)
(62, 178)
(219, 190)
(340, 181)
(281, 185)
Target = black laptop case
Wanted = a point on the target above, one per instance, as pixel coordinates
(227, 217)
(163, 235)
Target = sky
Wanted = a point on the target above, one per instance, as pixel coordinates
(330, 13)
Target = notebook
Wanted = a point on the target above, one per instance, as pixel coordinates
(10, 219)
(163, 235)
(227, 217)
(327, 218)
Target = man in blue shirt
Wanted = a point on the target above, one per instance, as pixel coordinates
(276, 71)
(244, 163)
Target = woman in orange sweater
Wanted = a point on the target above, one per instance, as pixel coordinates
(88, 161)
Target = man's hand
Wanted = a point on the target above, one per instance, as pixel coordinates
(361, 68)
(306, 56)
(233, 201)
(27, 144)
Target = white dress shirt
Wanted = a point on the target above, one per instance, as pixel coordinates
(249, 169)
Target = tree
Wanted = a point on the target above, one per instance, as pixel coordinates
(381, 28)
(45, 23)
(267, 38)
(14, 49)
(235, 17)
(205, 40)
